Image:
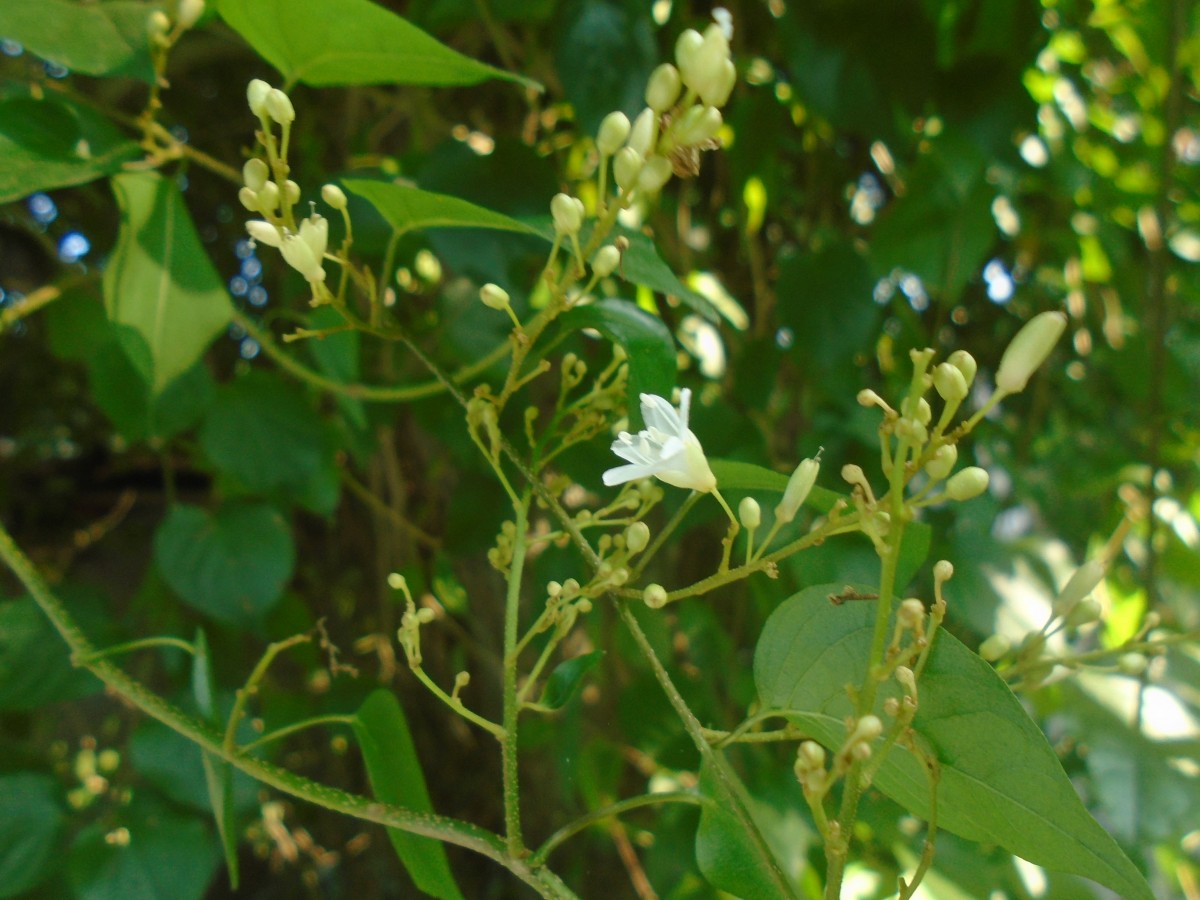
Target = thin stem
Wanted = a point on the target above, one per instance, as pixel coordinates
(130, 646)
(661, 538)
(512, 702)
(242, 697)
(457, 705)
(278, 733)
(442, 828)
(571, 829)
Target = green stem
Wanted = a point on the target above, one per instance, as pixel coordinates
(571, 829)
(661, 537)
(142, 644)
(457, 705)
(442, 828)
(725, 780)
(512, 702)
(243, 695)
(279, 733)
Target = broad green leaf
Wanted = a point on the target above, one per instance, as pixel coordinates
(646, 340)
(51, 142)
(567, 677)
(1000, 779)
(168, 855)
(412, 209)
(396, 777)
(160, 282)
(263, 432)
(31, 820)
(218, 773)
(93, 38)
(231, 564)
(35, 668)
(338, 42)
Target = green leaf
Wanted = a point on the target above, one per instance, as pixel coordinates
(396, 777)
(51, 142)
(412, 209)
(641, 264)
(218, 773)
(337, 42)
(263, 432)
(1000, 780)
(31, 820)
(566, 678)
(231, 564)
(93, 38)
(160, 282)
(645, 338)
(35, 667)
(168, 855)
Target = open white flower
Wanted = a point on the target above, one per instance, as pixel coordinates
(666, 449)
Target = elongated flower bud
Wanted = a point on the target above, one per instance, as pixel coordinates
(970, 482)
(614, 129)
(1085, 580)
(942, 462)
(248, 199)
(264, 232)
(255, 174)
(279, 107)
(645, 133)
(314, 231)
(268, 197)
(698, 124)
(567, 213)
(637, 537)
(798, 488)
(627, 165)
(965, 363)
(494, 296)
(662, 89)
(749, 513)
(1029, 350)
(256, 96)
(606, 260)
(995, 647)
(334, 196)
(949, 382)
(655, 174)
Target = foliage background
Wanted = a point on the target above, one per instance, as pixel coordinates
(923, 172)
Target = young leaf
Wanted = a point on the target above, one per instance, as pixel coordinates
(396, 777)
(51, 142)
(337, 42)
(566, 678)
(1000, 779)
(31, 820)
(646, 340)
(93, 38)
(218, 774)
(160, 283)
(231, 564)
(412, 209)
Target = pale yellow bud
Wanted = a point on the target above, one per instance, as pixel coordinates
(1132, 663)
(188, 12)
(567, 212)
(614, 129)
(698, 124)
(256, 96)
(1081, 583)
(494, 296)
(965, 363)
(255, 174)
(655, 596)
(644, 134)
(1028, 350)
(248, 199)
(662, 89)
(334, 196)
(970, 482)
(627, 165)
(637, 537)
(911, 614)
(268, 197)
(995, 647)
(942, 462)
(606, 260)
(749, 513)
(798, 488)
(292, 192)
(264, 233)
(949, 382)
(279, 107)
(655, 174)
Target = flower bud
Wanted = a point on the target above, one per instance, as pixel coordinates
(614, 129)
(698, 124)
(1085, 580)
(256, 96)
(567, 212)
(911, 614)
(279, 107)
(866, 729)
(158, 25)
(662, 89)
(995, 647)
(942, 462)
(255, 174)
(687, 46)
(334, 196)
(292, 192)
(702, 65)
(912, 430)
(655, 174)
(637, 537)
(1086, 612)
(644, 134)
(655, 596)
(949, 382)
(970, 482)
(264, 233)
(188, 12)
(1132, 663)
(606, 260)
(298, 254)
(798, 488)
(965, 363)
(716, 91)
(268, 197)
(810, 756)
(248, 199)
(1028, 350)
(627, 165)
(749, 513)
(943, 571)
(494, 296)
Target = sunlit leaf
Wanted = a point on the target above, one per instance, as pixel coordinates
(94, 38)
(412, 209)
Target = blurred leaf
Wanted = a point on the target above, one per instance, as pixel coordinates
(604, 55)
(35, 666)
(167, 855)
(51, 142)
(339, 42)
(231, 564)
(396, 777)
(338, 356)
(645, 339)
(159, 281)
(263, 432)
(94, 38)
(412, 209)
(826, 299)
(218, 773)
(1000, 780)
(567, 678)
(31, 820)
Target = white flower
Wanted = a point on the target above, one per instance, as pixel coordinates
(666, 449)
